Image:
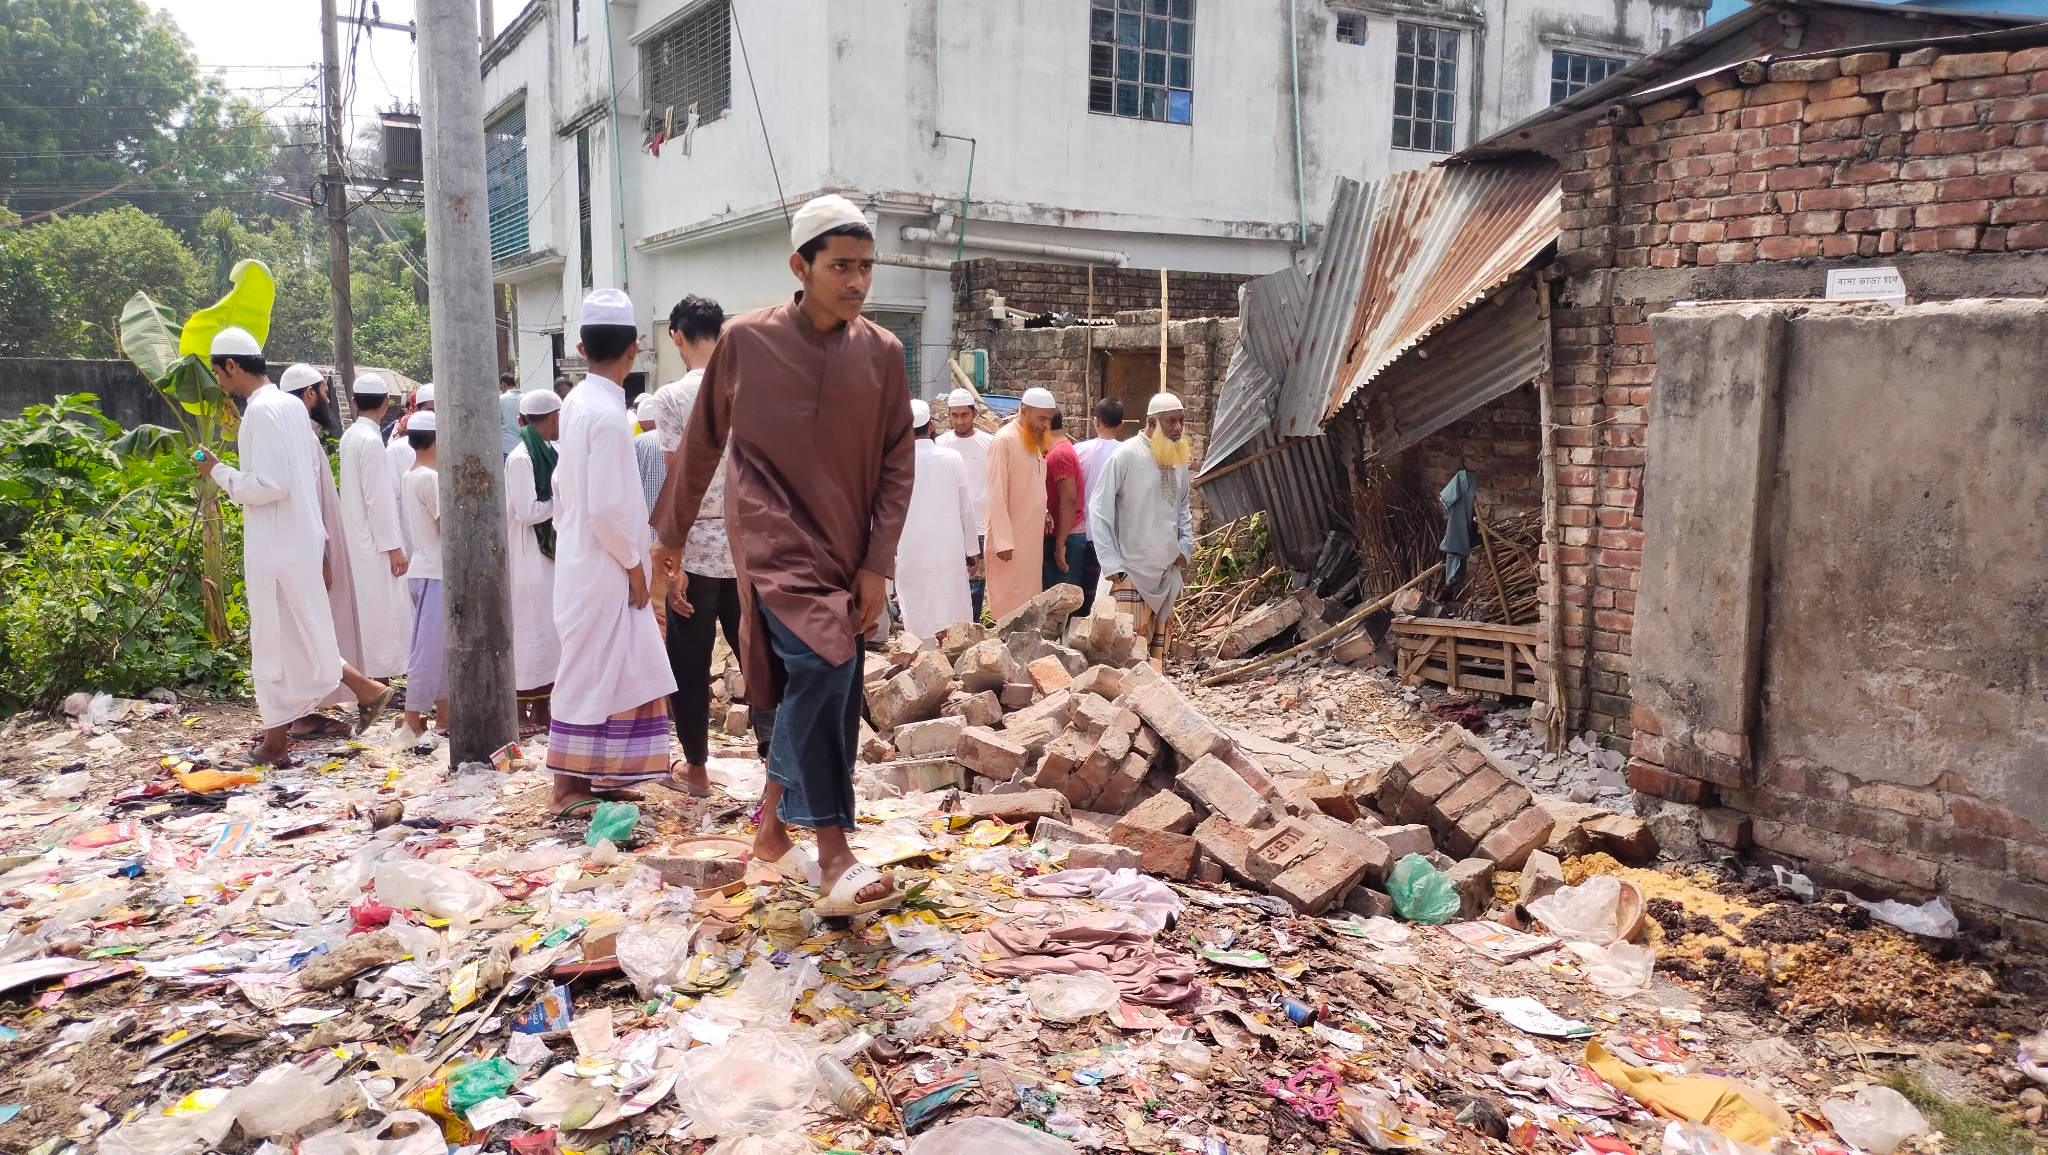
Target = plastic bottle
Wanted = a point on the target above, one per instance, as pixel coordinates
(838, 1083)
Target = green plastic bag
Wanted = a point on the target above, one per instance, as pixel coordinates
(1421, 893)
(612, 822)
(472, 1083)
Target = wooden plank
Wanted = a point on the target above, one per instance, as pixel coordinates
(1465, 629)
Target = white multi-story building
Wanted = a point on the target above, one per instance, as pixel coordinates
(654, 144)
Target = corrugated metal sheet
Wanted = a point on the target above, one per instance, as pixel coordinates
(1494, 348)
(1301, 488)
(1270, 316)
(1441, 240)
(1332, 301)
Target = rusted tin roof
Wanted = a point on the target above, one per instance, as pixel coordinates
(1440, 240)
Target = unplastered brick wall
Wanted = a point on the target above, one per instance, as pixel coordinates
(1500, 442)
(1046, 287)
(1879, 157)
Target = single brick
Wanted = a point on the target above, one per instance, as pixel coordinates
(1220, 790)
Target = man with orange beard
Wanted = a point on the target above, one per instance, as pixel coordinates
(1013, 548)
(1138, 516)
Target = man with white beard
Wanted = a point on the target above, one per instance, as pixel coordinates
(1139, 519)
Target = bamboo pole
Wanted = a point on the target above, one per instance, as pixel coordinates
(1556, 725)
(1493, 569)
(1333, 633)
(1162, 329)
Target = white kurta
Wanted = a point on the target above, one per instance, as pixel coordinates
(293, 659)
(1138, 517)
(398, 457)
(938, 538)
(369, 519)
(973, 453)
(536, 647)
(612, 655)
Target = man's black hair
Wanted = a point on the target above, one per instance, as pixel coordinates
(506, 380)
(697, 319)
(561, 382)
(810, 249)
(370, 402)
(253, 365)
(1109, 411)
(607, 342)
(419, 438)
(1057, 420)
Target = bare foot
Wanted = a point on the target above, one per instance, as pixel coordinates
(563, 797)
(771, 842)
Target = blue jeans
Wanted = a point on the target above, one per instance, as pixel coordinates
(1082, 568)
(976, 587)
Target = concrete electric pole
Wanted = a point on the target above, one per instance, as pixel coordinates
(480, 691)
(337, 209)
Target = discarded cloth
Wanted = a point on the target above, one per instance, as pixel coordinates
(1739, 1111)
(1144, 971)
(1140, 894)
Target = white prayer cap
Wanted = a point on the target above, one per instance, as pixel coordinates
(234, 342)
(1037, 397)
(821, 215)
(424, 395)
(538, 402)
(960, 399)
(422, 422)
(920, 414)
(298, 378)
(608, 307)
(370, 385)
(1162, 403)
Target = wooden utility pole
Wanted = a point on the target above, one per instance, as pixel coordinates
(480, 694)
(337, 207)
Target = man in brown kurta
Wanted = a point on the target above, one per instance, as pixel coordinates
(806, 400)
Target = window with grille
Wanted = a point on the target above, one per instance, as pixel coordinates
(1351, 27)
(1141, 59)
(909, 329)
(583, 205)
(505, 169)
(1425, 87)
(1571, 72)
(690, 64)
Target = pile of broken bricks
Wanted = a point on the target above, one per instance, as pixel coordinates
(1055, 721)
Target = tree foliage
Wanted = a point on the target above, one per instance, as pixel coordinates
(70, 275)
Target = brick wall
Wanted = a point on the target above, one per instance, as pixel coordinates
(1500, 442)
(1891, 157)
(1042, 287)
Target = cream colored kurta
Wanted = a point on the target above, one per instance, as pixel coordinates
(294, 661)
(340, 577)
(938, 538)
(1016, 522)
(369, 521)
(612, 654)
(536, 646)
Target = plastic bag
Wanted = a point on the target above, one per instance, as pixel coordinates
(1421, 893)
(1184, 1052)
(1375, 1118)
(403, 1133)
(754, 1082)
(287, 1100)
(441, 891)
(782, 1142)
(1700, 1139)
(170, 1134)
(1071, 998)
(612, 822)
(1588, 912)
(654, 955)
(1878, 1119)
(1616, 970)
(985, 1136)
(1932, 918)
(472, 1083)
(2033, 1058)
(765, 995)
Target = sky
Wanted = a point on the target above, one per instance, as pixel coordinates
(268, 48)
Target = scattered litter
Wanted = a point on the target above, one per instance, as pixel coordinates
(1535, 1018)
(1932, 918)
(1877, 1119)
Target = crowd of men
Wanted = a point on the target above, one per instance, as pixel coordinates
(779, 513)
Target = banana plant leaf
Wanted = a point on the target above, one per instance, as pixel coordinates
(246, 306)
(148, 441)
(149, 336)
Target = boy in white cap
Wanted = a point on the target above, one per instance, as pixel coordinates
(294, 661)
(807, 401)
(529, 518)
(305, 383)
(398, 452)
(608, 729)
(426, 667)
(370, 526)
(1139, 519)
(1013, 541)
(971, 445)
(939, 540)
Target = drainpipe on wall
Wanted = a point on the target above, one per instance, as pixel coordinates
(966, 192)
(611, 66)
(1294, 78)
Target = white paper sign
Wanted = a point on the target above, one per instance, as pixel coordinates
(1876, 284)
